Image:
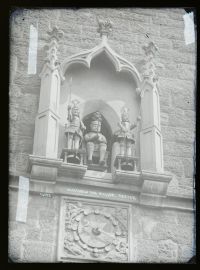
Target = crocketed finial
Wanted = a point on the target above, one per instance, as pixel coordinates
(105, 27)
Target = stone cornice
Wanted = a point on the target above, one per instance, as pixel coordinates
(156, 176)
(43, 161)
(60, 188)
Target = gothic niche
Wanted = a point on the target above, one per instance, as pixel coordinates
(103, 82)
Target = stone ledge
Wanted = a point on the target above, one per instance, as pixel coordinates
(156, 176)
(60, 188)
(43, 161)
(73, 170)
(127, 177)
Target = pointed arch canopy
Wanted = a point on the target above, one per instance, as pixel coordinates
(119, 62)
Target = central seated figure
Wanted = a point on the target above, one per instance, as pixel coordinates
(96, 143)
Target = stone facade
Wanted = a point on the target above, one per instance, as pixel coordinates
(159, 235)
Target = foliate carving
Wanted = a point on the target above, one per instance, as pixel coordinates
(105, 27)
(54, 36)
(95, 232)
(148, 68)
(55, 33)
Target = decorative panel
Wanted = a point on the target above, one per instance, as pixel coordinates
(93, 230)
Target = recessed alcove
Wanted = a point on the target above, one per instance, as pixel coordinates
(101, 88)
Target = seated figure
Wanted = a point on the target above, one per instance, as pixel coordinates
(74, 128)
(94, 138)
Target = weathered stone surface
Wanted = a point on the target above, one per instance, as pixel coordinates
(146, 254)
(48, 236)
(14, 248)
(176, 134)
(47, 219)
(180, 234)
(37, 252)
(172, 33)
(167, 251)
(33, 234)
(189, 167)
(174, 165)
(178, 149)
(21, 144)
(187, 219)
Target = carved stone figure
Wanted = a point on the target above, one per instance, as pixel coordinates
(124, 135)
(95, 139)
(75, 127)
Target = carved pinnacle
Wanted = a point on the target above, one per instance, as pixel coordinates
(150, 49)
(55, 33)
(105, 27)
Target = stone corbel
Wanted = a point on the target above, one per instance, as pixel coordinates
(43, 169)
(154, 188)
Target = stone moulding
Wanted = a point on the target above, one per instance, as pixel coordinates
(154, 187)
(72, 170)
(119, 62)
(42, 168)
(43, 161)
(127, 177)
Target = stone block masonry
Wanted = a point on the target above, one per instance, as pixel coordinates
(165, 27)
(158, 235)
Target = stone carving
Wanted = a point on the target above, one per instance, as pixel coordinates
(74, 131)
(95, 140)
(148, 67)
(95, 232)
(105, 27)
(125, 135)
(125, 157)
(55, 35)
(75, 127)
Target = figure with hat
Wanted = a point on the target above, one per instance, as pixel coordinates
(125, 135)
(74, 128)
(95, 139)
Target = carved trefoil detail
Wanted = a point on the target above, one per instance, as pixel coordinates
(93, 231)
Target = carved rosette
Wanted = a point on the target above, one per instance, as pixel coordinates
(95, 232)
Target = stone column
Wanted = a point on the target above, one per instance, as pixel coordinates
(150, 135)
(47, 120)
(154, 181)
(44, 162)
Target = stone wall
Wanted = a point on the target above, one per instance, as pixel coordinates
(159, 235)
(132, 28)
(36, 240)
